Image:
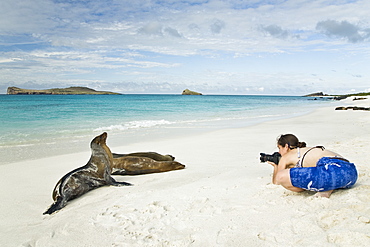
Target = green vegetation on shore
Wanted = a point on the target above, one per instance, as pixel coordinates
(69, 90)
(337, 96)
(357, 94)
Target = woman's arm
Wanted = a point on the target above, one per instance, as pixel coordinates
(278, 167)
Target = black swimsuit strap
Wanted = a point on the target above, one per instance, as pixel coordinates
(322, 148)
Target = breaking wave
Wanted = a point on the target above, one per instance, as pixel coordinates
(134, 125)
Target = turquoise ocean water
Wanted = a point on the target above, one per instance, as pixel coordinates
(35, 126)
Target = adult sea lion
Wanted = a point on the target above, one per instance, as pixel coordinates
(96, 173)
(134, 165)
(152, 155)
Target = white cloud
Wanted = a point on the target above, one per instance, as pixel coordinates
(217, 26)
(345, 30)
(276, 31)
(172, 32)
(153, 28)
(179, 41)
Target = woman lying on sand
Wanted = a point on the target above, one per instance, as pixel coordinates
(316, 169)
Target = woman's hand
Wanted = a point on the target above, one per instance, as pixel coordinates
(271, 163)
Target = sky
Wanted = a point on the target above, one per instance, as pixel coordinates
(255, 47)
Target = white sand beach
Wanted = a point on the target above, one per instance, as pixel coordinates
(224, 197)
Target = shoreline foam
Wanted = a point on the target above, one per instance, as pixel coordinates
(224, 197)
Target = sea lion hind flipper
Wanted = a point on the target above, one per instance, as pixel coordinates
(57, 205)
(171, 156)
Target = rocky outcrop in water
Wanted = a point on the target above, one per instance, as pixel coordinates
(355, 108)
(319, 94)
(189, 92)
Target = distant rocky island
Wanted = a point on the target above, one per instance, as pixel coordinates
(69, 90)
(319, 94)
(189, 92)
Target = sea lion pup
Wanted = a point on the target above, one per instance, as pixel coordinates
(133, 165)
(96, 173)
(152, 155)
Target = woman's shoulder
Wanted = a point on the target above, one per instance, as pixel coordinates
(291, 158)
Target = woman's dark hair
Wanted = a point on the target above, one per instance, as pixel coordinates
(291, 140)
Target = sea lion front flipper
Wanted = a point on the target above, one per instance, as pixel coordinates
(113, 182)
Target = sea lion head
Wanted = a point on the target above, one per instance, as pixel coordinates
(174, 165)
(100, 139)
(98, 144)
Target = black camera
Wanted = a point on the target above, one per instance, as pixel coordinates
(275, 157)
